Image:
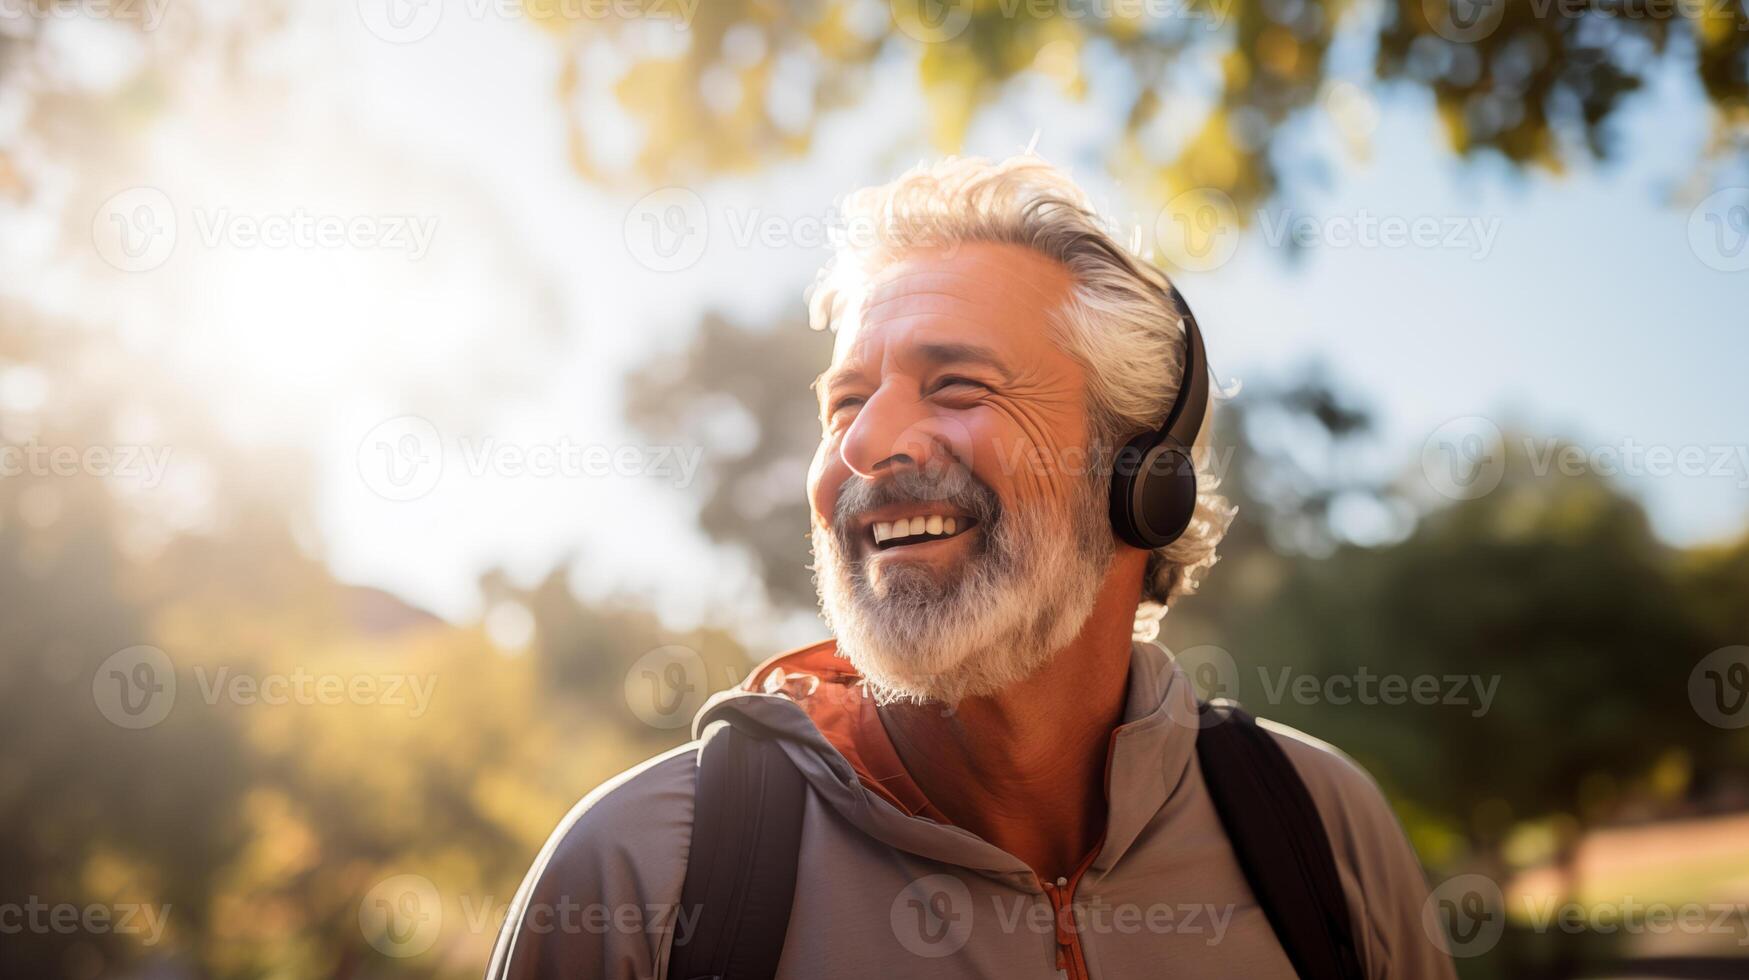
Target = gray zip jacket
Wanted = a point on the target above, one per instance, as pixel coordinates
(883, 892)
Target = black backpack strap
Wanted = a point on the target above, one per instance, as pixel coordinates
(1280, 841)
(741, 870)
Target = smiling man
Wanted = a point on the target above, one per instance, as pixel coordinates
(989, 771)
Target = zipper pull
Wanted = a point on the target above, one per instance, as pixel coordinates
(1065, 913)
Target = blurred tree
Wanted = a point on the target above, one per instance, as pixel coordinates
(1552, 588)
(1210, 98)
(753, 495)
(89, 810)
(1208, 93)
(1557, 641)
(1714, 584)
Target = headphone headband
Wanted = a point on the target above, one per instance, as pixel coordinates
(1153, 486)
(1184, 419)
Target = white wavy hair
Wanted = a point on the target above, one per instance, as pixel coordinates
(1117, 322)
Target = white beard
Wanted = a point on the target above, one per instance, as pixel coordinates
(1024, 594)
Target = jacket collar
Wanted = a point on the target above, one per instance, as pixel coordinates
(815, 704)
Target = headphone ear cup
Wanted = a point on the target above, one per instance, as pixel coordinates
(1126, 476)
(1171, 494)
(1153, 491)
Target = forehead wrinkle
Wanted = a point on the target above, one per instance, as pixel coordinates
(991, 356)
(942, 315)
(892, 282)
(957, 307)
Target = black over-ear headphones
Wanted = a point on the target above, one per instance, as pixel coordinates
(1153, 481)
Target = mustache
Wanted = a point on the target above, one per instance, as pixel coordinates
(954, 486)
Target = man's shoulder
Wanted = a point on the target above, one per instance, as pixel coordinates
(618, 857)
(1338, 784)
(626, 840)
(1362, 826)
(647, 807)
(1386, 885)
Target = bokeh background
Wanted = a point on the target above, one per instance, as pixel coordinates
(403, 419)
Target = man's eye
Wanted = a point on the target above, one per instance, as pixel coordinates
(848, 401)
(956, 381)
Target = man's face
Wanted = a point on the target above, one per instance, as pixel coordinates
(959, 525)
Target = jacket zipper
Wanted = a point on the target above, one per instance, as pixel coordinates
(1058, 893)
(1070, 961)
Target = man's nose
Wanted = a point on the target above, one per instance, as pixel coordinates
(891, 433)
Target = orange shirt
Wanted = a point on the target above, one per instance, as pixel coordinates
(835, 697)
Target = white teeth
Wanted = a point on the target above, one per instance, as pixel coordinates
(933, 524)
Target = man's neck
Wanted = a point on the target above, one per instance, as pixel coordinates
(1025, 768)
